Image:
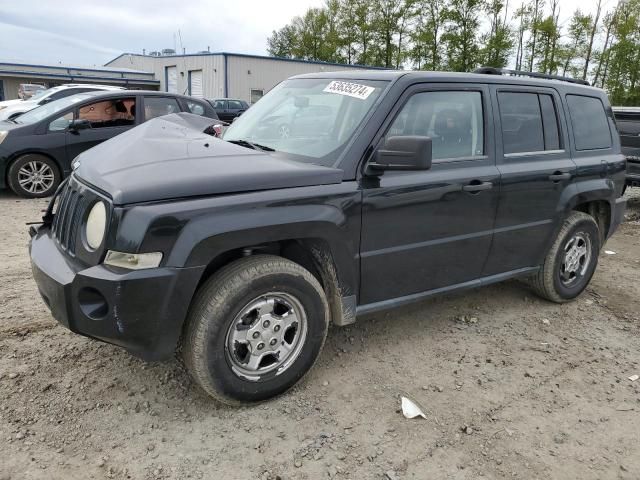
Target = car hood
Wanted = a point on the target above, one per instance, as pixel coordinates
(170, 157)
(9, 103)
(20, 107)
(8, 125)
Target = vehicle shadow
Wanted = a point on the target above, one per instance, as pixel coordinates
(373, 335)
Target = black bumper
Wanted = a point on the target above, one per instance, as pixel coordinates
(633, 173)
(142, 311)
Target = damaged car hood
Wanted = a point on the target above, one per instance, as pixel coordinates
(170, 157)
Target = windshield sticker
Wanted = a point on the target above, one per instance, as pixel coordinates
(350, 89)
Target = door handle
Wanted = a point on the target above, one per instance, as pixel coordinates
(477, 186)
(559, 176)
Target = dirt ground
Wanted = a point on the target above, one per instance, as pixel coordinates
(513, 387)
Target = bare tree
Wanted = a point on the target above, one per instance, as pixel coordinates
(592, 36)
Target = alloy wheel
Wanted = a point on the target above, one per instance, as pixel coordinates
(267, 335)
(36, 177)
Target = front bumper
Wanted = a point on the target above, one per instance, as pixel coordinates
(142, 311)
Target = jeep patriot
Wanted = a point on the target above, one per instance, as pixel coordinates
(384, 188)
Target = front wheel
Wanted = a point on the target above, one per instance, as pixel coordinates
(571, 261)
(34, 176)
(255, 329)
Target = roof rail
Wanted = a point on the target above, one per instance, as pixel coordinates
(520, 73)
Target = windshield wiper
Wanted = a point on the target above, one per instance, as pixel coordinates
(255, 146)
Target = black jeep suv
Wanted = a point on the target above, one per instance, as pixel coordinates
(239, 252)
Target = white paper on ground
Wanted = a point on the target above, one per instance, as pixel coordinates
(411, 409)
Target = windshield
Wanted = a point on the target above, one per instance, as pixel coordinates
(44, 93)
(311, 119)
(42, 112)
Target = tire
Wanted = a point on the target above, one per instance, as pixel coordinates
(44, 173)
(556, 281)
(223, 309)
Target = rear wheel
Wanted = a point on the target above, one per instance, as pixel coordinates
(255, 328)
(571, 261)
(34, 176)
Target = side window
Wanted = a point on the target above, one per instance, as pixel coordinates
(60, 94)
(159, 106)
(521, 120)
(549, 123)
(219, 105)
(590, 125)
(195, 107)
(454, 121)
(236, 105)
(61, 123)
(118, 112)
(529, 122)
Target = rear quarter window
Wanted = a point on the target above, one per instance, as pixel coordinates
(590, 124)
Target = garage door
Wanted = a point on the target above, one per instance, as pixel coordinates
(171, 75)
(195, 85)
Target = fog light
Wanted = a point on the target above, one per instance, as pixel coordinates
(133, 261)
(92, 303)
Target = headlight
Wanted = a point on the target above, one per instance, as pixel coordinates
(133, 261)
(96, 225)
(3, 135)
(2, 107)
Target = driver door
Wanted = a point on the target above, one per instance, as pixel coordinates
(427, 230)
(107, 118)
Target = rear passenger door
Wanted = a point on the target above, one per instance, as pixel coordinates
(220, 106)
(157, 106)
(427, 230)
(235, 108)
(199, 108)
(536, 171)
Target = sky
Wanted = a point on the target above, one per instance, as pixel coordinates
(92, 32)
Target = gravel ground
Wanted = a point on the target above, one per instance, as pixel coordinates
(513, 387)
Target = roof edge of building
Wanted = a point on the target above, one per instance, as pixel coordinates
(248, 55)
(79, 78)
(79, 69)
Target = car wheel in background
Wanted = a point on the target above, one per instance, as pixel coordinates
(571, 261)
(34, 176)
(255, 329)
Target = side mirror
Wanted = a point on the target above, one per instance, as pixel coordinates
(214, 130)
(403, 153)
(79, 124)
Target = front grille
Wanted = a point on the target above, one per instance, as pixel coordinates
(72, 205)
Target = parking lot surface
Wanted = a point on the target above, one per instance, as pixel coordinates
(512, 387)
